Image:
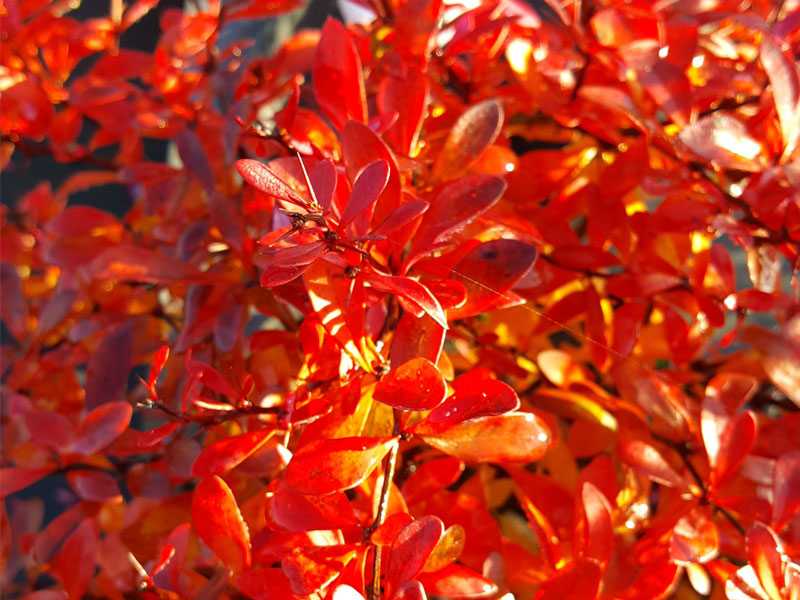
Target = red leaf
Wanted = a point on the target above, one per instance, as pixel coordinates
(669, 87)
(150, 438)
(167, 552)
(95, 486)
(646, 461)
(410, 550)
(735, 444)
(224, 455)
(75, 564)
(266, 584)
(263, 179)
(323, 179)
(101, 427)
(732, 389)
(455, 581)
(587, 258)
(400, 217)
(301, 255)
(133, 263)
(361, 146)
(209, 377)
(489, 271)
(413, 295)
(417, 337)
(12, 309)
(337, 76)
(431, 477)
(387, 533)
(294, 511)
(333, 465)
(487, 397)
(694, 539)
(407, 97)
(194, 159)
(785, 82)
(367, 188)
(472, 133)
(159, 360)
(512, 437)
(14, 479)
(218, 522)
(108, 368)
(414, 385)
(765, 556)
(312, 568)
(410, 590)
(724, 140)
(456, 204)
(786, 489)
(275, 275)
(578, 580)
(599, 542)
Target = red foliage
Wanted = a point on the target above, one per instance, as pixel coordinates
(461, 319)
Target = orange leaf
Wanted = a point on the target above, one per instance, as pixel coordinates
(512, 437)
(218, 522)
(325, 466)
(472, 133)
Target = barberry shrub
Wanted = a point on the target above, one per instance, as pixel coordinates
(443, 305)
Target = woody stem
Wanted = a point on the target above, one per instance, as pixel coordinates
(388, 475)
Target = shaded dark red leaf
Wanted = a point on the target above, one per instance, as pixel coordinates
(13, 479)
(101, 427)
(367, 188)
(75, 564)
(457, 203)
(489, 271)
(108, 368)
(410, 550)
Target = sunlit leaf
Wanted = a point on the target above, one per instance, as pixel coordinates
(414, 385)
(332, 465)
(512, 437)
(224, 455)
(218, 522)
